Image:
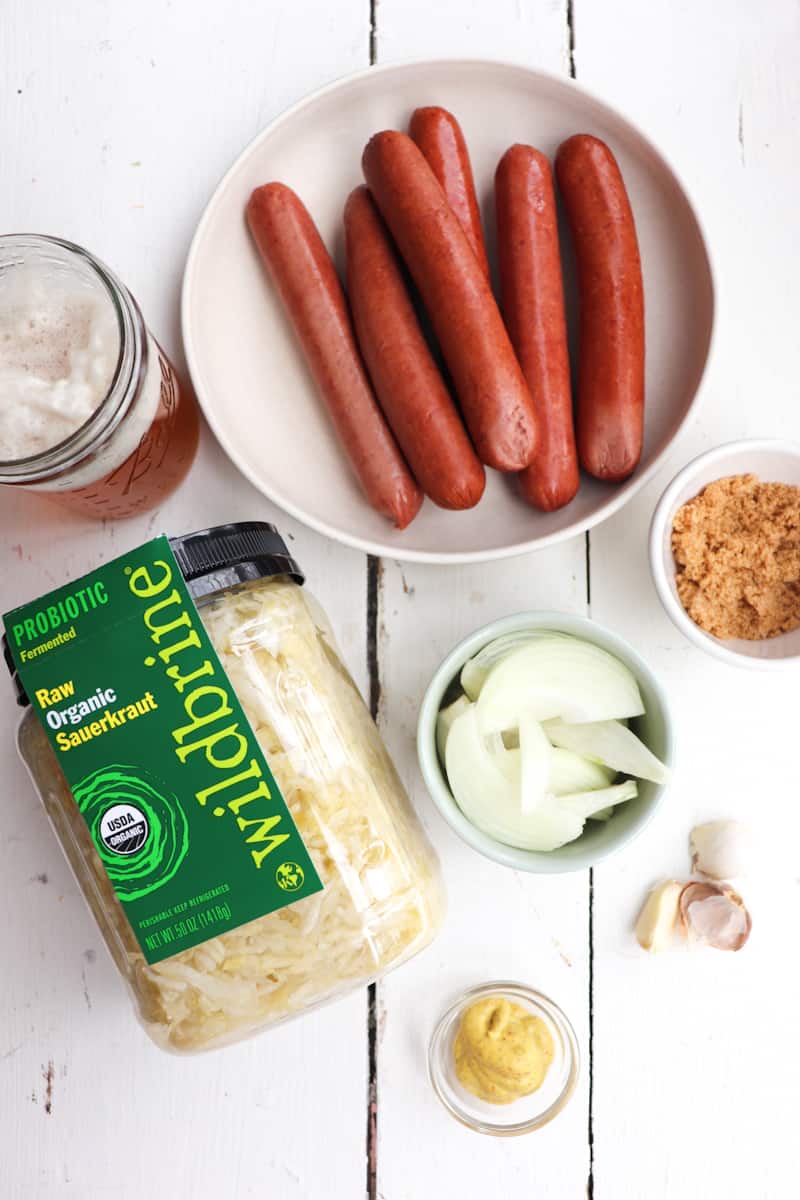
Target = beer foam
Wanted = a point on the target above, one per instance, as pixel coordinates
(59, 346)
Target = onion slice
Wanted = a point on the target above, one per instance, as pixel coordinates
(557, 677)
(570, 772)
(444, 722)
(507, 758)
(610, 743)
(535, 751)
(550, 827)
(587, 804)
(490, 800)
(483, 792)
(475, 671)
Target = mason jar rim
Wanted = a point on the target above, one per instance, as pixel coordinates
(129, 369)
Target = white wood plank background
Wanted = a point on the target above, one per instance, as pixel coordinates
(116, 122)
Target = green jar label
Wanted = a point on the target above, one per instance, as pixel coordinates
(165, 768)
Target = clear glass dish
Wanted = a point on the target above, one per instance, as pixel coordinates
(523, 1115)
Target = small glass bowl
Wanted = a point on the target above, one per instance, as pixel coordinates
(529, 1112)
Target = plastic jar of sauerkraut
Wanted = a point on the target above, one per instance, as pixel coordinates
(381, 897)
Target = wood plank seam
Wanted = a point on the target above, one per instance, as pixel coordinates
(374, 573)
(374, 577)
(373, 32)
(571, 63)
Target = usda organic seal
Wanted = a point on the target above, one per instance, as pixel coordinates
(124, 828)
(140, 830)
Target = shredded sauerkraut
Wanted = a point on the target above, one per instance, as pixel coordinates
(381, 900)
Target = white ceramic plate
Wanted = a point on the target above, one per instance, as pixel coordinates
(249, 372)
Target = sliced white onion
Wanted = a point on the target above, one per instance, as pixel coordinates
(444, 722)
(550, 827)
(478, 784)
(491, 800)
(570, 772)
(610, 743)
(535, 751)
(585, 804)
(532, 750)
(507, 758)
(557, 677)
(475, 671)
(602, 814)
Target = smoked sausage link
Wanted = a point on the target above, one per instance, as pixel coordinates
(611, 372)
(305, 277)
(407, 381)
(532, 302)
(494, 397)
(439, 137)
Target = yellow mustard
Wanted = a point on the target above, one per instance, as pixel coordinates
(501, 1050)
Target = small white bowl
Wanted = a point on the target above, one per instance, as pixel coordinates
(600, 838)
(773, 461)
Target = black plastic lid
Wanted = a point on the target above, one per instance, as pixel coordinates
(211, 560)
(22, 699)
(221, 557)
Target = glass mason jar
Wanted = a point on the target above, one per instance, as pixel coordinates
(92, 412)
(382, 898)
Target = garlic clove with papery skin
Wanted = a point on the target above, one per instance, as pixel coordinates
(713, 914)
(657, 922)
(720, 849)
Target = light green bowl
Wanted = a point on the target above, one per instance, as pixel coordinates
(600, 838)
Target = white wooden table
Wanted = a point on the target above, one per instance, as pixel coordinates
(116, 122)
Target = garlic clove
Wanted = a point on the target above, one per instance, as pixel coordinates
(720, 849)
(657, 921)
(713, 914)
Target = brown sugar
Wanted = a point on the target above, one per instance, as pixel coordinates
(737, 555)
